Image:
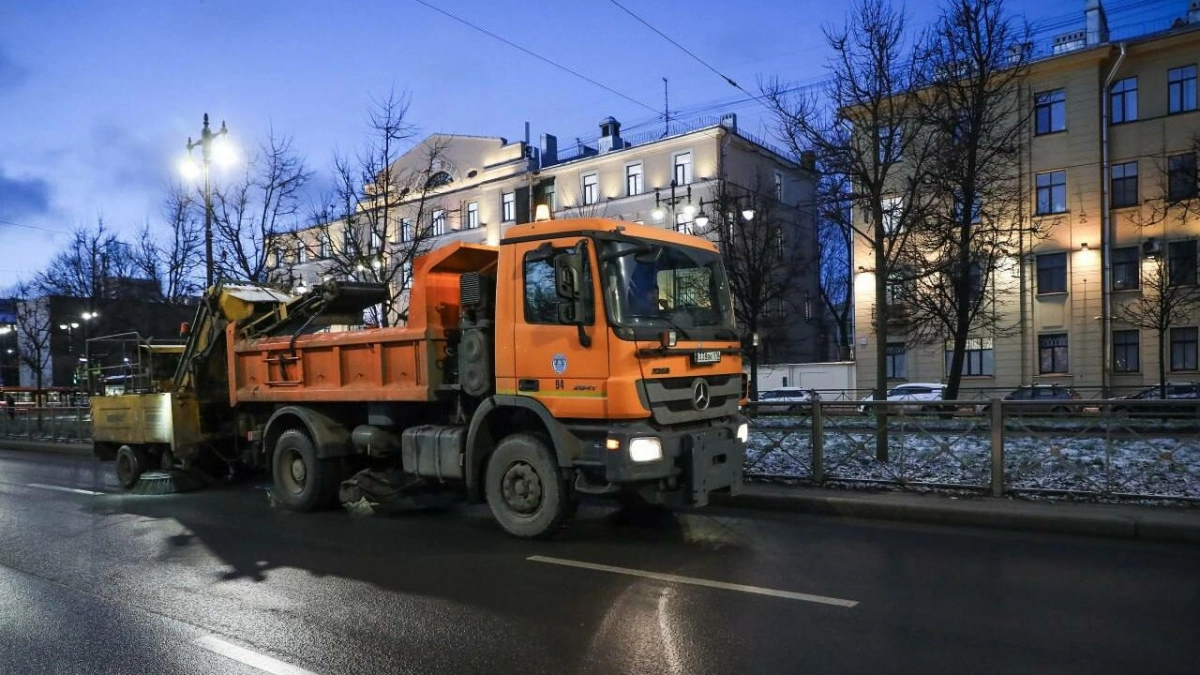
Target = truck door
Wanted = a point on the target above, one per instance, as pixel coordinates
(561, 363)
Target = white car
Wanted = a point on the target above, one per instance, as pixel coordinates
(784, 399)
(918, 393)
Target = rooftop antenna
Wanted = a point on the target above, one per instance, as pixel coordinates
(666, 111)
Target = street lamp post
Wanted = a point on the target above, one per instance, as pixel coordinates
(205, 143)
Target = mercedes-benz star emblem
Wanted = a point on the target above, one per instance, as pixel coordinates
(700, 397)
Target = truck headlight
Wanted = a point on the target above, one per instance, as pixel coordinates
(645, 449)
(743, 433)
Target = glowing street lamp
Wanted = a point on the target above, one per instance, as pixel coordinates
(211, 144)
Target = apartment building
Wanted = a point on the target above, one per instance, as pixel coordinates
(472, 189)
(1109, 168)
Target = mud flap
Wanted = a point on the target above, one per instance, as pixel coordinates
(713, 464)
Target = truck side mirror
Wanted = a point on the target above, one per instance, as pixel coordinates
(569, 285)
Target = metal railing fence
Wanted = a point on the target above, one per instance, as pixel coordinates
(1122, 450)
(60, 424)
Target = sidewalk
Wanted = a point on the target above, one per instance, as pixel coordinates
(1149, 523)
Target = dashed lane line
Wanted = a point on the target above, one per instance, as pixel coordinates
(695, 581)
(61, 488)
(250, 657)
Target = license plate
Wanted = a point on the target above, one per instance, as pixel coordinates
(710, 356)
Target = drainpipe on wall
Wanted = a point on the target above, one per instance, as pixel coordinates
(1106, 230)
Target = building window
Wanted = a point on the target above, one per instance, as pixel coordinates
(1181, 89)
(893, 215)
(1124, 185)
(1181, 263)
(978, 360)
(1050, 111)
(682, 172)
(1052, 273)
(439, 222)
(1126, 269)
(1052, 192)
(896, 367)
(406, 229)
(1052, 353)
(1183, 348)
(1126, 357)
(591, 189)
(1123, 98)
(508, 207)
(301, 252)
(472, 215)
(778, 186)
(323, 245)
(1181, 177)
(633, 180)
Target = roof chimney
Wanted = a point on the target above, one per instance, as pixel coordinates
(1097, 22)
(549, 149)
(1194, 11)
(610, 135)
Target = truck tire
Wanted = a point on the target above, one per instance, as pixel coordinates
(303, 482)
(525, 490)
(130, 465)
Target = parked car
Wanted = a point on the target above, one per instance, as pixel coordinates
(1178, 394)
(919, 396)
(784, 399)
(1039, 399)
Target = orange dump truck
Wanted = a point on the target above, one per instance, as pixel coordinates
(577, 357)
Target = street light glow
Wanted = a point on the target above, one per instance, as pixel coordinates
(223, 151)
(189, 168)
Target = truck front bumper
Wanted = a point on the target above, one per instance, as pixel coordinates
(694, 463)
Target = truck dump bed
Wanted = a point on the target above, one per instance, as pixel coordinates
(375, 364)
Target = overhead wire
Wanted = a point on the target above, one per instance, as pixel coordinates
(535, 55)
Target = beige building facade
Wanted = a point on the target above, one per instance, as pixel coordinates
(478, 187)
(1110, 174)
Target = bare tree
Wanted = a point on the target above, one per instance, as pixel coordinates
(974, 66)
(174, 261)
(1164, 303)
(33, 329)
(867, 128)
(385, 209)
(251, 211)
(762, 261)
(88, 266)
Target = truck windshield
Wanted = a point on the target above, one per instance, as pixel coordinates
(652, 286)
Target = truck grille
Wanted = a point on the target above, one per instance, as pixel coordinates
(673, 400)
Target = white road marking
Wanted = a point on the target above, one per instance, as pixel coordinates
(249, 657)
(61, 488)
(694, 581)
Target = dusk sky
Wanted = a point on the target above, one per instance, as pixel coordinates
(97, 99)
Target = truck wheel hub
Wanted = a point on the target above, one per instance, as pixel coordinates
(299, 472)
(522, 488)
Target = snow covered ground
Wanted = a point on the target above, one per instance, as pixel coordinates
(1081, 456)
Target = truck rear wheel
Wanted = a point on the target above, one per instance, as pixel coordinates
(131, 464)
(303, 482)
(525, 489)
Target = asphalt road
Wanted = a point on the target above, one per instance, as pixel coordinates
(221, 582)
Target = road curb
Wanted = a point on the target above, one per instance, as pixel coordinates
(1149, 523)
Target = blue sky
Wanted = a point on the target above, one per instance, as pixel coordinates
(97, 99)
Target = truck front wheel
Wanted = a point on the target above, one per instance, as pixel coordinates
(303, 482)
(525, 489)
